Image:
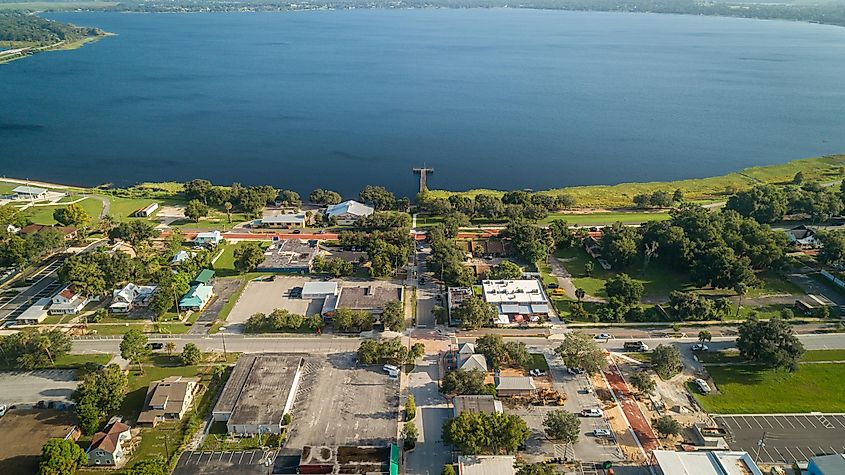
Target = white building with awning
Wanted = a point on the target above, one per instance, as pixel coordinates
(519, 300)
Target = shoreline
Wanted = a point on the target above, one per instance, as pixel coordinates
(619, 195)
(22, 53)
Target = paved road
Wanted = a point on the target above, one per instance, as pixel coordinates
(223, 289)
(426, 293)
(633, 414)
(234, 343)
(430, 454)
(564, 279)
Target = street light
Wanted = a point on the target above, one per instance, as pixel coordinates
(223, 337)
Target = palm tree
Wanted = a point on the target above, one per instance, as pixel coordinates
(106, 223)
(170, 347)
(650, 251)
(741, 289)
(228, 207)
(579, 294)
(704, 335)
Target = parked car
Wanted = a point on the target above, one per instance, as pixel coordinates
(592, 412)
(702, 385)
(155, 346)
(603, 336)
(297, 231)
(574, 371)
(601, 432)
(635, 346)
(553, 285)
(558, 291)
(699, 347)
(537, 372)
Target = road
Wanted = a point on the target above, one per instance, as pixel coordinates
(426, 293)
(430, 454)
(637, 421)
(46, 284)
(234, 343)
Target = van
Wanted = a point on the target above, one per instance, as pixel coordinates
(389, 368)
(702, 385)
(635, 346)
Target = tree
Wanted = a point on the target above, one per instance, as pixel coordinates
(195, 209)
(290, 198)
(72, 215)
(324, 197)
(393, 316)
(198, 189)
(704, 335)
(170, 347)
(474, 312)
(228, 207)
(771, 343)
(499, 353)
(563, 426)
(99, 394)
(538, 468)
(642, 382)
(369, 352)
(31, 349)
(134, 346)
(61, 457)
(410, 435)
(620, 244)
(625, 288)
(666, 360)
(497, 433)
(580, 294)
(248, 256)
(448, 469)
(580, 350)
(464, 383)
(191, 354)
(154, 466)
(530, 242)
(348, 320)
(588, 268)
(666, 426)
(506, 270)
(410, 408)
(764, 203)
(833, 247)
(379, 197)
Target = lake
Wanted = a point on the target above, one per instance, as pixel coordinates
(496, 98)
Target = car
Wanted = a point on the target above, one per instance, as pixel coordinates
(702, 385)
(537, 372)
(574, 371)
(558, 291)
(553, 285)
(603, 336)
(156, 346)
(321, 231)
(297, 231)
(601, 432)
(699, 347)
(592, 412)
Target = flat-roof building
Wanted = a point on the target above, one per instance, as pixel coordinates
(292, 256)
(371, 298)
(35, 314)
(169, 398)
(258, 394)
(25, 192)
(282, 221)
(486, 465)
(486, 404)
(704, 463)
(319, 290)
(827, 465)
(519, 300)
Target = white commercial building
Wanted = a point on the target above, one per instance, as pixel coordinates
(34, 314)
(348, 212)
(517, 300)
(704, 463)
(319, 290)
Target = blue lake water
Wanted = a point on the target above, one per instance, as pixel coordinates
(498, 98)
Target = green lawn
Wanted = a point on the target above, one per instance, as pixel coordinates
(732, 357)
(538, 361)
(749, 389)
(225, 264)
(44, 214)
(598, 219)
(147, 327)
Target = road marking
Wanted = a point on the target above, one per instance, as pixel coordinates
(838, 420)
(771, 459)
(799, 421)
(803, 457)
(746, 421)
(251, 455)
(767, 422)
(812, 424)
(221, 456)
(231, 455)
(794, 459)
(790, 424)
(777, 419)
(242, 457)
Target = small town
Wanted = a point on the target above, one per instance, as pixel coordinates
(200, 328)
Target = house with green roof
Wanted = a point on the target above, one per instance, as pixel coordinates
(197, 297)
(204, 277)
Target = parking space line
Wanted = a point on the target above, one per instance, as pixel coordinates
(812, 424)
(799, 421)
(790, 424)
(767, 422)
(771, 459)
(251, 455)
(777, 419)
(803, 457)
(727, 424)
(794, 459)
(221, 456)
(231, 455)
(746, 421)
(242, 457)
(838, 420)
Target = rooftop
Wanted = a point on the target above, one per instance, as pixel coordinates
(289, 254)
(258, 389)
(830, 464)
(203, 277)
(486, 465)
(319, 288)
(284, 219)
(477, 404)
(109, 438)
(29, 190)
(369, 297)
(520, 383)
(349, 207)
(513, 291)
(705, 463)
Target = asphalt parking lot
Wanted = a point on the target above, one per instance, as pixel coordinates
(236, 462)
(266, 296)
(788, 438)
(33, 386)
(339, 403)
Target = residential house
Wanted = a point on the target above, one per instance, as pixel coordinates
(827, 465)
(181, 257)
(146, 211)
(515, 386)
(593, 248)
(486, 465)
(519, 300)
(486, 404)
(290, 256)
(25, 192)
(348, 212)
(109, 446)
(35, 314)
(490, 247)
(68, 302)
(474, 362)
(205, 277)
(282, 221)
(131, 296)
(702, 462)
(803, 237)
(70, 233)
(454, 298)
(211, 238)
(197, 297)
(168, 399)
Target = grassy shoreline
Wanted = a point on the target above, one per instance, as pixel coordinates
(60, 46)
(715, 188)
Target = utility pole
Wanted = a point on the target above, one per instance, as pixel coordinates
(760, 444)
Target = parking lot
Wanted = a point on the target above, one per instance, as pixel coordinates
(33, 386)
(339, 403)
(237, 462)
(266, 296)
(788, 438)
(23, 432)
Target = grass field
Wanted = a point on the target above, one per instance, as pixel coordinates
(747, 389)
(538, 361)
(700, 189)
(732, 357)
(44, 214)
(598, 219)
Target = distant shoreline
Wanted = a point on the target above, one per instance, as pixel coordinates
(21, 53)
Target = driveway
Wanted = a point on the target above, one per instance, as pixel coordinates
(223, 288)
(430, 454)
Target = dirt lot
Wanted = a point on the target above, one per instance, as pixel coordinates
(23, 432)
(339, 403)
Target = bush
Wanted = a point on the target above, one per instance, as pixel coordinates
(286, 419)
(410, 408)
(410, 435)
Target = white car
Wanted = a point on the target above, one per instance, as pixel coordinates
(537, 372)
(702, 385)
(601, 432)
(603, 336)
(592, 412)
(699, 347)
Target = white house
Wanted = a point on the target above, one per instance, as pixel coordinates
(283, 221)
(107, 447)
(348, 212)
(24, 192)
(131, 296)
(474, 362)
(319, 290)
(210, 237)
(68, 302)
(181, 257)
(803, 237)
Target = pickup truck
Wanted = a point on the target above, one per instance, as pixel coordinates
(635, 346)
